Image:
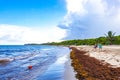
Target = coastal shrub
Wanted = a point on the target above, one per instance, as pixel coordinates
(103, 40)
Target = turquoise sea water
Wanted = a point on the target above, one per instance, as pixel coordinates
(47, 61)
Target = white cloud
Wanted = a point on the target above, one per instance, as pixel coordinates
(91, 18)
(75, 6)
(11, 34)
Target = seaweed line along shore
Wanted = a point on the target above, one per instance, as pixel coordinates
(96, 64)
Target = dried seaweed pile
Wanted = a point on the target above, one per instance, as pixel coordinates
(89, 68)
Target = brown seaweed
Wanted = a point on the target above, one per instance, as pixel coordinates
(89, 68)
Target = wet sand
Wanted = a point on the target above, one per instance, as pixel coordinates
(69, 73)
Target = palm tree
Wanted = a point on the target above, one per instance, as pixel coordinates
(110, 36)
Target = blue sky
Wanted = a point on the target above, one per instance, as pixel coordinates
(40, 21)
(31, 12)
(31, 21)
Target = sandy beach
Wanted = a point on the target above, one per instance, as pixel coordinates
(96, 64)
(108, 54)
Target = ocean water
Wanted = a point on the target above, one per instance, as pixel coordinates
(48, 62)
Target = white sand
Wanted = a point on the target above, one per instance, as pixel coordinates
(108, 54)
(69, 73)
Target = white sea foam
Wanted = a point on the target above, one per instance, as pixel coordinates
(62, 59)
(47, 49)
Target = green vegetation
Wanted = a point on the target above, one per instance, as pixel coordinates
(110, 36)
(109, 39)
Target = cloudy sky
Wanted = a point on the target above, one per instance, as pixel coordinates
(39, 21)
